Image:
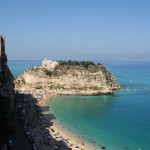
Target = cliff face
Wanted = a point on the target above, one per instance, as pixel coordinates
(7, 96)
(70, 79)
(6, 77)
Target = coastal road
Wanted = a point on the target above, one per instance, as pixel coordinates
(20, 140)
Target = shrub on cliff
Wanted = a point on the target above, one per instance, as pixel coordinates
(74, 62)
(48, 73)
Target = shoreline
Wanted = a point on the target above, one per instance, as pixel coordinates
(73, 138)
(83, 144)
(40, 98)
(62, 131)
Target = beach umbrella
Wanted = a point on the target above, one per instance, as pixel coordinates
(75, 145)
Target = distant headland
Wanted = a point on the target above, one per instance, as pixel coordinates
(68, 78)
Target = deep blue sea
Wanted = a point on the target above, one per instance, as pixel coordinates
(119, 122)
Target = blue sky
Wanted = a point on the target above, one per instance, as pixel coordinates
(76, 29)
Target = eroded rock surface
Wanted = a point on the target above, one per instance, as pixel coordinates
(69, 79)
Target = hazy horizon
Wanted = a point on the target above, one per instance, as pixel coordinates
(78, 30)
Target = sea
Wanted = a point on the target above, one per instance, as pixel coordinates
(120, 121)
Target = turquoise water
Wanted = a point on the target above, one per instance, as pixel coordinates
(118, 122)
(17, 67)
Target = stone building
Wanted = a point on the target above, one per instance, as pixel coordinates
(49, 65)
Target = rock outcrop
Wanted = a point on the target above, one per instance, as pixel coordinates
(70, 79)
(7, 95)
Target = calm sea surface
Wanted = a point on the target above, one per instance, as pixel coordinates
(119, 122)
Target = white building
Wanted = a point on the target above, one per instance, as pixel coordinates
(49, 64)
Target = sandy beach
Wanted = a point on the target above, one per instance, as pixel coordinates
(60, 131)
(46, 132)
(72, 138)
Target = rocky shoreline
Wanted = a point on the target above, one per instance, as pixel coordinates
(69, 80)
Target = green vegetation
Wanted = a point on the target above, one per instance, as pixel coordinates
(38, 87)
(73, 63)
(48, 73)
(19, 82)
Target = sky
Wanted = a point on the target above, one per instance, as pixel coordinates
(76, 29)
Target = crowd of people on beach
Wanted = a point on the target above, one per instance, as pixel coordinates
(38, 128)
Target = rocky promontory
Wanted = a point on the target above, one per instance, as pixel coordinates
(68, 78)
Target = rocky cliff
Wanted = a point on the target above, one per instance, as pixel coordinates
(7, 95)
(70, 78)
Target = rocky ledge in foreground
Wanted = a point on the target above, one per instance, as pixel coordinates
(68, 78)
